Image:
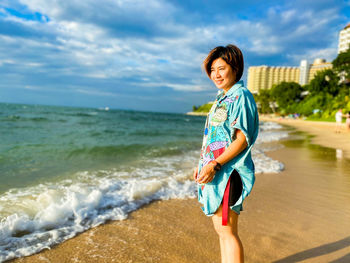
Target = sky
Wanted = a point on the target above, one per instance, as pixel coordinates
(147, 55)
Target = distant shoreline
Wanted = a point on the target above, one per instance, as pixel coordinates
(197, 113)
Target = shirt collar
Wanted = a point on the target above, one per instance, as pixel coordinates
(221, 95)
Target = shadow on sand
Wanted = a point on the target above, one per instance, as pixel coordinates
(319, 251)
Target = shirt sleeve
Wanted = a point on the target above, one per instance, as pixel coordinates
(243, 116)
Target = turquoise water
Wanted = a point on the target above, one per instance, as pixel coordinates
(48, 143)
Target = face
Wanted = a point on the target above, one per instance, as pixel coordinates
(222, 74)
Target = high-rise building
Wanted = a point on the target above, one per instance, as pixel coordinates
(264, 77)
(344, 39)
(304, 72)
(318, 65)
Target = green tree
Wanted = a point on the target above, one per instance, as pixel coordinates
(325, 81)
(312, 102)
(341, 64)
(263, 100)
(204, 108)
(286, 94)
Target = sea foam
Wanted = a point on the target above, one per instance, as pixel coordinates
(51, 213)
(268, 132)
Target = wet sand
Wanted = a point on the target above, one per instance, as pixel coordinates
(299, 215)
(324, 132)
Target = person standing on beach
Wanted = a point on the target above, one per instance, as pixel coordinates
(225, 172)
(338, 120)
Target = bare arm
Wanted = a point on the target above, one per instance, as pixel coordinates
(236, 147)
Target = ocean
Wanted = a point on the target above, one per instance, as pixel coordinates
(64, 170)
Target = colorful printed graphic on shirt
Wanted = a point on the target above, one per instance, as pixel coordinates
(229, 100)
(217, 148)
(219, 116)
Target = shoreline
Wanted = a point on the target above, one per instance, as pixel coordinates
(197, 113)
(322, 132)
(277, 225)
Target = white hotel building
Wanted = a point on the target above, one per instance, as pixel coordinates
(344, 39)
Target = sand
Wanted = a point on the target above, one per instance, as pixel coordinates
(299, 215)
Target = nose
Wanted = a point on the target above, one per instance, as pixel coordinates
(217, 74)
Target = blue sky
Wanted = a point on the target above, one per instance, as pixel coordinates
(147, 55)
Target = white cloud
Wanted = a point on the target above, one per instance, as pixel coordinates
(33, 88)
(179, 87)
(327, 53)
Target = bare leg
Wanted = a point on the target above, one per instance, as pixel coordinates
(338, 127)
(232, 250)
(222, 250)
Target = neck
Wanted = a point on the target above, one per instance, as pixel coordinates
(226, 90)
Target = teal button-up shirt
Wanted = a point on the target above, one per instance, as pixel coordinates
(234, 110)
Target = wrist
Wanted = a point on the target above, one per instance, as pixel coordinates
(217, 165)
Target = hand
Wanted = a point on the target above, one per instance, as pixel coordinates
(207, 174)
(195, 173)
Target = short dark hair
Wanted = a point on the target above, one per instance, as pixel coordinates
(232, 56)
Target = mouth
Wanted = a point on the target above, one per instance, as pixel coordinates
(219, 81)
